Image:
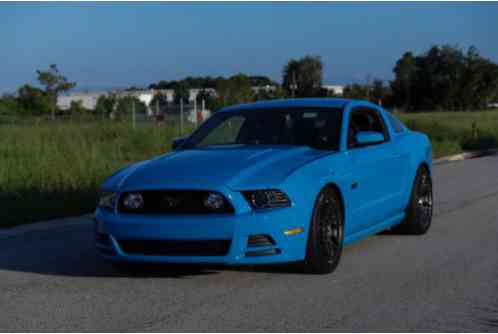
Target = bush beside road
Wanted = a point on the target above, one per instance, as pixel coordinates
(53, 169)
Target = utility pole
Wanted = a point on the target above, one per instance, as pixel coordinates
(133, 113)
(293, 85)
(202, 110)
(181, 116)
(53, 105)
(195, 111)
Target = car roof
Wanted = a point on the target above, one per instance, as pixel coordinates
(296, 103)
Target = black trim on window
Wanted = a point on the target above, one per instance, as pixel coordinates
(370, 110)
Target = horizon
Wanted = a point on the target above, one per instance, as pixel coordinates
(114, 45)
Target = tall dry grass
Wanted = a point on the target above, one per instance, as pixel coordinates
(51, 170)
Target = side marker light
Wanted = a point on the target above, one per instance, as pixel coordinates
(294, 231)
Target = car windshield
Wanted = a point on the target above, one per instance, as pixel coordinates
(316, 128)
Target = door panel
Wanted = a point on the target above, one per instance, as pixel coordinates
(376, 171)
(373, 184)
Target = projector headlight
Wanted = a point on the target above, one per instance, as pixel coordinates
(107, 200)
(265, 199)
(133, 201)
(214, 201)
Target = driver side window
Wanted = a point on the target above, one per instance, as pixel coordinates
(364, 120)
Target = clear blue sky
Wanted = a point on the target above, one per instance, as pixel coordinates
(115, 45)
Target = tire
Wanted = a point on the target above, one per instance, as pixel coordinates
(326, 233)
(419, 211)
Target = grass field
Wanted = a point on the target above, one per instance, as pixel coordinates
(53, 170)
(49, 171)
(454, 132)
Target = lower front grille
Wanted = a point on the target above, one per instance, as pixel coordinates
(175, 247)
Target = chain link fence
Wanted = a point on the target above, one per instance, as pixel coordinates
(181, 118)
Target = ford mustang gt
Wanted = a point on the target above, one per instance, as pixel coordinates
(270, 182)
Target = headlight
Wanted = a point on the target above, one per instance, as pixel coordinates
(214, 201)
(133, 201)
(263, 199)
(107, 200)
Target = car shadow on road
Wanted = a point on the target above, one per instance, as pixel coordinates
(71, 252)
(284, 268)
(90, 265)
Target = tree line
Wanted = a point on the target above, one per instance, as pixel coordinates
(229, 90)
(445, 77)
(442, 78)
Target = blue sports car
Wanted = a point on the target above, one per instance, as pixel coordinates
(270, 182)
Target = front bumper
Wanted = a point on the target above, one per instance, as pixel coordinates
(112, 228)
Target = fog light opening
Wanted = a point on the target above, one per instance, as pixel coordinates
(260, 240)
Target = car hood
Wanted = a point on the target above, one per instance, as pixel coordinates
(239, 168)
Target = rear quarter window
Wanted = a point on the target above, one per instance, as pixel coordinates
(395, 123)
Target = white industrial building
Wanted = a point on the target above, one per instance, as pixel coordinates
(89, 99)
(337, 89)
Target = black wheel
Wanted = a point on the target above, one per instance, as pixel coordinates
(326, 234)
(419, 211)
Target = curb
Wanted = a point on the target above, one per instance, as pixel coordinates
(60, 223)
(464, 156)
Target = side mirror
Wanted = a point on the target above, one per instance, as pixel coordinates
(365, 138)
(177, 142)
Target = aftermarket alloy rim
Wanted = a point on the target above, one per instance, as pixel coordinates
(329, 225)
(424, 201)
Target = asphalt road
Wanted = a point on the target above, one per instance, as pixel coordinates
(446, 280)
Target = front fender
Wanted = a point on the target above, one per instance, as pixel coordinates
(304, 185)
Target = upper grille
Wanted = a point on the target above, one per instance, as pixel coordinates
(172, 202)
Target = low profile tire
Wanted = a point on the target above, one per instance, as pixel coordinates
(419, 211)
(326, 234)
